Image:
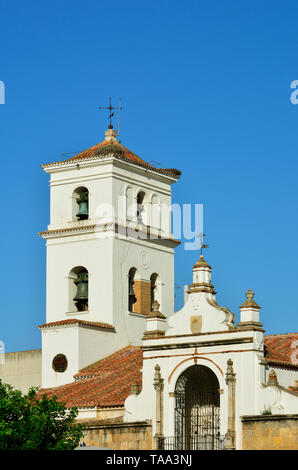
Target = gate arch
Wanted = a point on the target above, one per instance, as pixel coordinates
(197, 409)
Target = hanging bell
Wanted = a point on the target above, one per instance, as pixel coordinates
(81, 297)
(83, 206)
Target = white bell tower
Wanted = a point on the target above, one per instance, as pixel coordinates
(110, 254)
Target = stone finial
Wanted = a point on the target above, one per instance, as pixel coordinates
(249, 302)
(157, 374)
(111, 135)
(250, 313)
(250, 294)
(155, 313)
(272, 379)
(157, 381)
(230, 374)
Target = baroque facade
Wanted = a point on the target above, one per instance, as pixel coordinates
(112, 344)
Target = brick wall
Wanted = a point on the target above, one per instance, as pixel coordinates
(142, 291)
(270, 432)
(114, 434)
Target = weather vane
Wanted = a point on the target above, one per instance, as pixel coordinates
(111, 114)
(201, 237)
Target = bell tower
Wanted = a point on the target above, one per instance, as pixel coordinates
(110, 254)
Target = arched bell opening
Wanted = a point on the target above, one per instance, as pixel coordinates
(140, 207)
(81, 203)
(78, 289)
(197, 410)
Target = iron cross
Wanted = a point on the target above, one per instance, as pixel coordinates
(201, 237)
(110, 108)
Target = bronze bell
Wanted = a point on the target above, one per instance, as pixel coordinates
(83, 212)
(81, 297)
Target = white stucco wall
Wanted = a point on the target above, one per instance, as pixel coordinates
(107, 256)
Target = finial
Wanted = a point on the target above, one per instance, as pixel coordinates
(249, 302)
(272, 379)
(230, 374)
(250, 294)
(157, 380)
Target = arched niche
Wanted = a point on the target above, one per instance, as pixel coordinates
(80, 203)
(78, 289)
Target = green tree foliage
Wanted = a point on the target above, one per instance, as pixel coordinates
(31, 421)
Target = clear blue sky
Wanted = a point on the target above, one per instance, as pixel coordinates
(205, 88)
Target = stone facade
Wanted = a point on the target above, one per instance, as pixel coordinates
(116, 435)
(270, 432)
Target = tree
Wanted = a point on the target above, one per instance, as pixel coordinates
(35, 421)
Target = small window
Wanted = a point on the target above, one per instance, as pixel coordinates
(59, 363)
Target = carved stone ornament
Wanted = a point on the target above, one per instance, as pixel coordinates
(230, 317)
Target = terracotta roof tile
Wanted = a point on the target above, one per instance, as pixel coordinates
(280, 350)
(105, 383)
(119, 151)
(93, 151)
(75, 321)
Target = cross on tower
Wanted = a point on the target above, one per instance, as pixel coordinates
(110, 108)
(201, 237)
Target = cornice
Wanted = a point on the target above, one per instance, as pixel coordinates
(140, 233)
(112, 158)
(196, 344)
(81, 323)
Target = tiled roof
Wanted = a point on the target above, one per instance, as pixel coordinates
(118, 150)
(280, 350)
(105, 383)
(75, 321)
(93, 151)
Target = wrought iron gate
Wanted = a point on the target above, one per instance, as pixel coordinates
(197, 420)
(197, 412)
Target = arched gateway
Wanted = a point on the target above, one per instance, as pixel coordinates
(197, 410)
